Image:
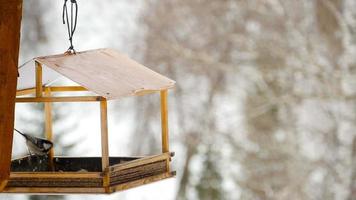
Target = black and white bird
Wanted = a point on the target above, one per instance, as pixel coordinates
(36, 145)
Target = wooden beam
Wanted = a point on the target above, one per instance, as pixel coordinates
(87, 190)
(53, 89)
(104, 135)
(145, 92)
(67, 88)
(10, 23)
(60, 190)
(142, 181)
(58, 99)
(39, 84)
(104, 144)
(164, 121)
(141, 161)
(48, 126)
(25, 91)
(55, 175)
(164, 118)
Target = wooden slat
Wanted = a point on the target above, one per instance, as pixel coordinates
(55, 175)
(164, 119)
(142, 161)
(10, 23)
(55, 182)
(38, 79)
(104, 144)
(140, 182)
(67, 88)
(138, 172)
(164, 122)
(48, 126)
(58, 99)
(107, 73)
(49, 190)
(104, 135)
(87, 190)
(53, 89)
(145, 92)
(25, 91)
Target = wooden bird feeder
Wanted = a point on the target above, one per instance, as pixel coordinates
(110, 75)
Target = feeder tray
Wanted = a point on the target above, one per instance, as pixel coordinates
(109, 75)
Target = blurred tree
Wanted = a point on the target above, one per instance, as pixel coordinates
(33, 35)
(353, 175)
(211, 177)
(188, 48)
(295, 63)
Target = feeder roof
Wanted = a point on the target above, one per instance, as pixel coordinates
(107, 73)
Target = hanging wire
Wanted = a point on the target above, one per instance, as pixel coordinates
(70, 25)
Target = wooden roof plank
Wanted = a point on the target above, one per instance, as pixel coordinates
(107, 73)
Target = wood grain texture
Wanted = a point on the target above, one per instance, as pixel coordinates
(10, 23)
(107, 73)
(45, 175)
(140, 182)
(138, 162)
(55, 182)
(138, 172)
(60, 190)
(88, 190)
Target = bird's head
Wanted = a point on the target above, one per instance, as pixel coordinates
(47, 145)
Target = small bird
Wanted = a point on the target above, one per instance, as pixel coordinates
(36, 145)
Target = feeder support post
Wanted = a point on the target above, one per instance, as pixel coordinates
(48, 125)
(164, 120)
(104, 143)
(10, 23)
(39, 84)
(104, 134)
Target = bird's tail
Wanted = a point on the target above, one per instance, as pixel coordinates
(20, 132)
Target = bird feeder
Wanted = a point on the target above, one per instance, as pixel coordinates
(110, 75)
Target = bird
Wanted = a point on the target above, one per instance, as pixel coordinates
(38, 146)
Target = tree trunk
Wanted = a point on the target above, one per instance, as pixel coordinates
(10, 23)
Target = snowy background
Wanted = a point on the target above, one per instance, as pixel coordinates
(265, 103)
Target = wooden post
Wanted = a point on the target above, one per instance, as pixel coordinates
(164, 119)
(58, 99)
(10, 23)
(104, 135)
(38, 79)
(104, 143)
(48, 125)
